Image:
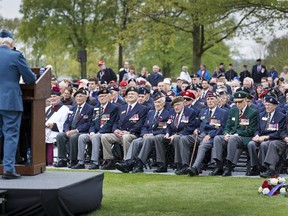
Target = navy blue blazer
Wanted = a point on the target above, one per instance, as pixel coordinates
(12, 66)
(187, 123)
(108, 119)
(155, 78)
(108, 76)
(158, 127)
(84, 120)
(278, 118)
(133, 121)
(205, 126)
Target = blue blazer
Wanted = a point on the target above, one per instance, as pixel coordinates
(158, 127)
(133, 121)
(186, 125)
(12, 66)
(220, 115)
(111, 110)
(278, 118)
(84, 120)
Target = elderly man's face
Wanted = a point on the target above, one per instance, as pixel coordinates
(141, 98)
(159, 104)
(178, 107)
(131, 97)
(270, 107)
(54, 100)
(103, 98)
(80, 99)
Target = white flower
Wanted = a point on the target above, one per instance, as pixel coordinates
(273, 181)
(281, 179)
(283, 191)
(265, 191)
(260, 189)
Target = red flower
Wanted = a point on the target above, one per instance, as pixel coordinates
(79, 117)
(266, 184)
(55, 108)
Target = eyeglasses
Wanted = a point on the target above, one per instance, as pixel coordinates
(188, 99)
(238, 101)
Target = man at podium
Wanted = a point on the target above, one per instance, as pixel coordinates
(12, 66)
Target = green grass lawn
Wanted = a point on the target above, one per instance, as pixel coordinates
(144, 194)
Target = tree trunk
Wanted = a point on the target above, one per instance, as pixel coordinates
(120, 56)
(166, 70)
(197, 47)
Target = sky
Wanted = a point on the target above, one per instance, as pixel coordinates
(247, 48)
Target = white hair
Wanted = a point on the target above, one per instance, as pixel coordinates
(6, 40)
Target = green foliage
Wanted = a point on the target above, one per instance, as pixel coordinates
(277, 53)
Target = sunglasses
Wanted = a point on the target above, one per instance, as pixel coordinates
(187, 99)
(238, 101)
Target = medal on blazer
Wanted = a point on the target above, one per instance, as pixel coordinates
(184, 119)
(134, 118)
(170, 119)
(273, 127)
(215, 122)
(244, 122)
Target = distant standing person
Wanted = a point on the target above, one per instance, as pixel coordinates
(123, 71)
(184, 74)
(105, 73)
(203, 72)
(258, 71)
(156, 77)
(245, 73)
(12, 66)
(230, 74)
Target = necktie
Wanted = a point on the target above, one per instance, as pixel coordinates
(101, 112)
(155, 118)
(176, 120)
(129, 109)
(210, 113)
(240, 115)
(268, 121)
(75, 119)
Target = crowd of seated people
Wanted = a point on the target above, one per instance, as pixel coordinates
(211, 118)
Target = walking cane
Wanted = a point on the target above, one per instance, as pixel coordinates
(194, 149)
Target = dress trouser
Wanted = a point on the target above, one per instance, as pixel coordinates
(110, 138)
(276, 149)
(10, 122)
(95, 142)
(67, 145)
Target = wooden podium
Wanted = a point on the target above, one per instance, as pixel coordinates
(34, 98)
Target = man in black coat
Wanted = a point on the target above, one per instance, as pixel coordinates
(105, 74)
(258, 71)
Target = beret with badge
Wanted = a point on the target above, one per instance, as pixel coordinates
(102, 91)
(188, 93)
(271, 99)
(131, 89)
(113, 88)
(211, 94)
(81, 91)
(239, 96)
(158, 95)
(177, 100)
(55, 91)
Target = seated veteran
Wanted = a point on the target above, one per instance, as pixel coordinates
(78, 121)
(103, 119)
(152, 133)
(181, 124)
(240, 127)
(271, 125)
(127, 127)
(55, 116)
(213, 120)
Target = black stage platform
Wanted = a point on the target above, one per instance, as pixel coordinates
(54, 193)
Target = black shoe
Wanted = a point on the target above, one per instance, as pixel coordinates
(269, 174)
(192, 171)
(109, 165)
(61, 163)
(78, 166)
(93, 166)
(123, 167)
(253, 172)
(161, 169)
(182, 171)
(71, 164)
(11, 175)
(216, 172)
(227, 172)
(138, 169)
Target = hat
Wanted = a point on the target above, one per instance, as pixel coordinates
(167, 81)
(271, 99)
(103, 82)
(55, 91)
(113, 88)
(240, 95)
(158, 95)
(143, 90)
(141, 81)
(131, 89)
(195, 75)
(123, 83)
(101, 63)
(248, 92)
(179, 78)
(220, 75)
(188, 93)
(81, 91)
(258, 60)
(102, 91)
(6, 34)
(85, 81)
(131, 80)
(210, 94)
(177, 99)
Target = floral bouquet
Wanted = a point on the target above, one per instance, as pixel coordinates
(274, 186)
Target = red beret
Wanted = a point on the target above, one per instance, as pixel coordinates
(188, 93)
